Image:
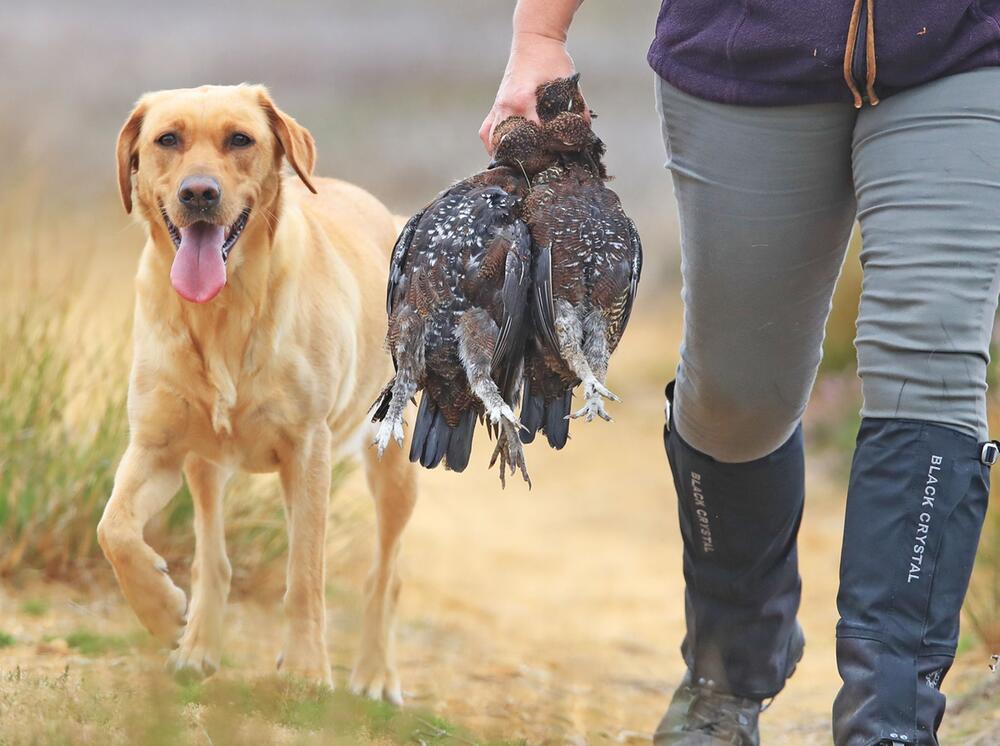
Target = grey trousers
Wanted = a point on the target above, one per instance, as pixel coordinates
(768, 197)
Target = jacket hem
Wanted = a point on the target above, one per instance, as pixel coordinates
(721, 89)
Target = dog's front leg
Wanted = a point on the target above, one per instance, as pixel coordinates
(200, 647)
(306, 481)
(146, 480)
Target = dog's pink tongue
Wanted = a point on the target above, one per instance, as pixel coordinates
(199, 272)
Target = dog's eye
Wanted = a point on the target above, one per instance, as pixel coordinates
(240, 140)
(167, 140)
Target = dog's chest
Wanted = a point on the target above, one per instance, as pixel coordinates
(252, 436)
(253, 422)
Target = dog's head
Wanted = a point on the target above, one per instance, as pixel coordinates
(206, 161)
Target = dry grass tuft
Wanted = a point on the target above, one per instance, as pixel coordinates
(55, 472)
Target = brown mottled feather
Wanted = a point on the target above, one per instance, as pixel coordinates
(458, 255)
(587, 255)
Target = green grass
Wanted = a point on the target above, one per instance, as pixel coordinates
(303, 708)
(150, 709)
(88, 642)
(6, 639)
(35, 607)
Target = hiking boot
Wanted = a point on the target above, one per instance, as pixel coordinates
(699, 715)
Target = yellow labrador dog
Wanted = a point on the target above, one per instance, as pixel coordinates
(259, 321)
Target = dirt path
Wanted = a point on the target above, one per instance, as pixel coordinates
(560, 610)
(556, 614)
(553, 615)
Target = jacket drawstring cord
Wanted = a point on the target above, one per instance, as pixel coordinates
(852, 38)
(870, 55)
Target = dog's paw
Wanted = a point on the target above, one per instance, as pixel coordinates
(191, 665)
(375, 679)
(197, 654)
(160, 605)
(313, 669)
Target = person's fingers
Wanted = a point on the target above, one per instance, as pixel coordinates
(511, 103)
(497, 114)
(486, 132)
(489, 135)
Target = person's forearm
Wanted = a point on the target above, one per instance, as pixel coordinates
(537, 55)
(547, 18)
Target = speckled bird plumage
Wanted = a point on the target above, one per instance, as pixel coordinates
(457, 305)
(522, 276)
(587, 259)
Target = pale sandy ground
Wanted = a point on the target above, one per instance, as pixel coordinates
(556, 614)
(553, 614)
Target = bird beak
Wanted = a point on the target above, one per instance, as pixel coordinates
(493, 163)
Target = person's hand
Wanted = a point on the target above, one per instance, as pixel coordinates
(534, 59)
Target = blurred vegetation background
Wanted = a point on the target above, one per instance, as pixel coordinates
(394, 94)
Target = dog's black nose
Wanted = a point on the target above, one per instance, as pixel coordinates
(199, 192)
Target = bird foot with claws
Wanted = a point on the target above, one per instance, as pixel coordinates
(502, 413)
(510, 452)
(389, 429)
(594, 393)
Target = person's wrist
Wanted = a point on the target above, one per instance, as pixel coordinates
(542, 36)
(529, 55)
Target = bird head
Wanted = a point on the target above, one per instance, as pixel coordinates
(570, 135)
(567, 133)
(517, 142)
(558, 96)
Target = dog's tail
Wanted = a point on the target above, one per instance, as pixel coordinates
(434, 440)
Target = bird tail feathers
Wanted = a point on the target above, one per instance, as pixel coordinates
(434, 440)
(549, 417)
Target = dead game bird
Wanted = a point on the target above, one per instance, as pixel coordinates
(517, 143)
(457, 304)
(557, 96)
(587, 259)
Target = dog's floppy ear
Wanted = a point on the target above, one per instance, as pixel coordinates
(296, 142)
(128, 154)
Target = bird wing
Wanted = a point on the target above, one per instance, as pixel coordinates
(633, 285)
(397, 262)
(517, 279)
(542, 302)
(509, 348)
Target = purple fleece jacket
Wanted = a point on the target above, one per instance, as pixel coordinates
(776, 52)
